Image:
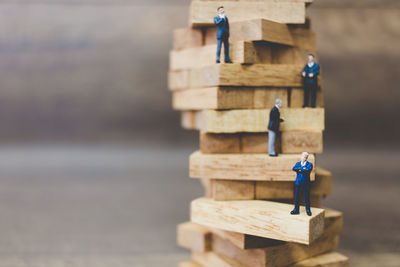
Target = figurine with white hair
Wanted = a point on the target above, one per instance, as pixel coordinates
(273, 126)
(303, 169)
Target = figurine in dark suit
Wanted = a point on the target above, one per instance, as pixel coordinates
(273, 127)
(303, 169)
(222, 34)
(310, 75)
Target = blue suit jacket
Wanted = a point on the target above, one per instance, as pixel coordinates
(222, 27)
(314, 70)
(303, 173)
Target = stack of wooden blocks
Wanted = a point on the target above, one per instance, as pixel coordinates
(244, 218)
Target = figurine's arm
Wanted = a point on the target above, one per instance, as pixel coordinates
(296, 168)
(316, 72)
(218, 20)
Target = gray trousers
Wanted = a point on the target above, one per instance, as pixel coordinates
(271, 142)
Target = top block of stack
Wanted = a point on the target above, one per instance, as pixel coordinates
(202, 12)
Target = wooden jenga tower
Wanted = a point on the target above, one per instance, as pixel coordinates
(244, 218)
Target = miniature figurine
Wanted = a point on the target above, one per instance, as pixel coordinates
(222, 34)
(310, 74)
(273, 127)
(303, 169)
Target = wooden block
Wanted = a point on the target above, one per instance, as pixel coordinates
(232, 190)
(194, 237)
(206, 183)
(219, 143)
(203, 12)
(251, 167)
(330, 259)
(256, 120)
(243, 52)
(188, 120)
(303, 38)
(280, 190)
(254, 75)
(187, 38)
(268, 219)
(227, 98)
(299, 141)
(257, 143)
(333, 226)
(280, 255)
(215, 260)
(189, 264)
(297, 98)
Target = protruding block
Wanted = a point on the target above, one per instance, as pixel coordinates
(287, 143)
(227, 98)
(194, 237)
(254, 120)
(203, 12)
(330, 259)
(280, 190)
(251, 167)
(232, 190)
(260, 218)
(254, 75)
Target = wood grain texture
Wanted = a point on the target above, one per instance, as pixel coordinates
(215, 260)
(297, 98)
(260, 218)
(187, 38)
(322, 186)
(203, 12)
(250, 167)
(253, 75)
(287, 143)
(255, 120)
(227, 98)
(189, 264)
(222, 190)
(194, 237)
(330, 259)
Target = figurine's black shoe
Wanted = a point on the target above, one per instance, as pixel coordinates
(217, 61)
(273, 155)
(309, 212)
(295, 212)
(228, 62)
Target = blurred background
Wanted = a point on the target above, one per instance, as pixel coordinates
(94, 163)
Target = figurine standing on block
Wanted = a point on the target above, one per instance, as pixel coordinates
(273, 127)
(222, 34)
(303, 169)
(310, 74)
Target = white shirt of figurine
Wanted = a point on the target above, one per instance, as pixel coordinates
(303, 163)
(221, 16)
(311, 64)
(277, 107)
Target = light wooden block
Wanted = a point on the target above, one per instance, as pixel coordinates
(329, 259)
(280, 190)
(206, 183)
(227, 98)
(203, 12)
(187, 38)
(194, 237)
(251, 167)
(280, 255)
(299, 141)
(189, 264)
(333, 224)
(255, 120)
(232, 190)
(268, 219)
(257, 143)
(219, 143)
(253, 75)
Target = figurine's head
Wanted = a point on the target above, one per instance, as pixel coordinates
(311, 58)
(221, 10)
(304, 156)
(278, 102)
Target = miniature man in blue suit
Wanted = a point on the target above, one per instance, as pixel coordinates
(222, 33)
(273, 127)
(310, 75)
(303, 169)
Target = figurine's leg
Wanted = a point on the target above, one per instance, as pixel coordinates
(314, 88)
(219, 50)
(296, 209)
(306, 94)
(271, 142)
(307, 197)
(226, 50)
